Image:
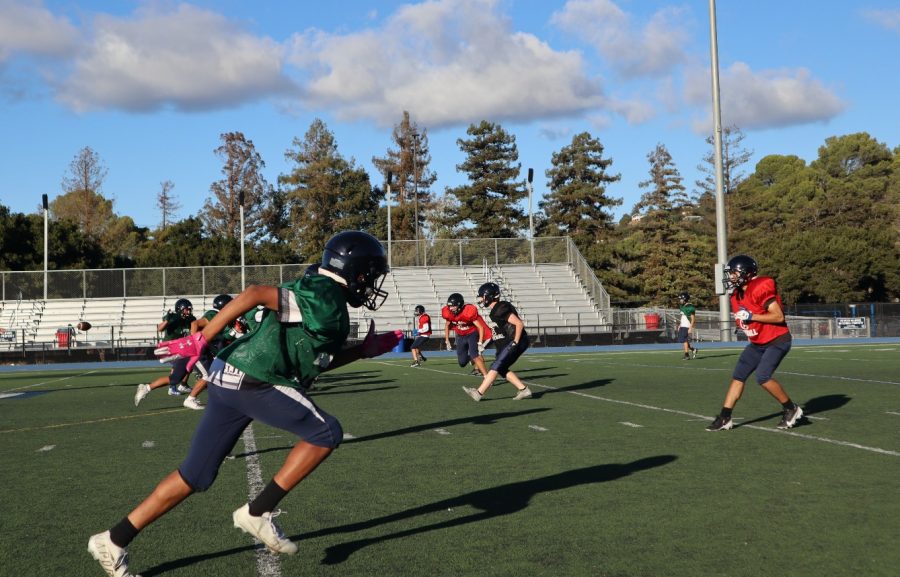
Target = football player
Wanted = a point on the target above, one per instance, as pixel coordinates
(301, 334)
(757, 310)
(423, 333)
(228, 335)
(510, 341)
(686, 325)
(174, 325)
(472, 336)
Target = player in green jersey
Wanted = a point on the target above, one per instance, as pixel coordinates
(302, 332)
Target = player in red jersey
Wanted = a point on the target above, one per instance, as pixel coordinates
(423, 333)
(757, 310)
(472, 333)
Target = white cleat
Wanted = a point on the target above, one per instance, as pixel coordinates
(142, 391)
(112, 558)
(523, 394)
(473, 392)
(193, 403)
(264, 529)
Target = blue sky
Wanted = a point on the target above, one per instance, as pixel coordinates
(150, 86)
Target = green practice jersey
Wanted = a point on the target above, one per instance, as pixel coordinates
(295, 343)
(177, 326)
(687, 311)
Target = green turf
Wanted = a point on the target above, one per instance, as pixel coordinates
(608, 471)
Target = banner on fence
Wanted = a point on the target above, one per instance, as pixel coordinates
(851, 323)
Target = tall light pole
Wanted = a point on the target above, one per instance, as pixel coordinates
(415, 137)
(46, 228)
(721, 232)
(530, 214)
(389, 216)
(241, 209)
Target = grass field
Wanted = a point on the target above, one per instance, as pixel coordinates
(607, 471)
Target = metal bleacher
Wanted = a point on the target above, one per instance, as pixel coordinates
(546, 295)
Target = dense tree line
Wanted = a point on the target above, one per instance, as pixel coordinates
(829, 231)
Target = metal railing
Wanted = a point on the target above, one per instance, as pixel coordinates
(177, 281)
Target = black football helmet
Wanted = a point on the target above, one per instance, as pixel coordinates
(184, 308)
(488, 292)
(684, 298)
(220, 301)
(419, 310)
(455, 302)
(359, 259)
(739, 271)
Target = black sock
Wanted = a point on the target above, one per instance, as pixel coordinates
(268, 499)
(788, 405)
(726, 413)
(123, 533)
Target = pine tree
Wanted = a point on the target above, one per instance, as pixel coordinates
(412, 179)
(489, 205)
(663, 230)
(243, 178)
(578, 206)
(167, 203)
(325, 194)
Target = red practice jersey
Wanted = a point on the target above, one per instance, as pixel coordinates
(424, 328)
(464, 322)
(756, 297)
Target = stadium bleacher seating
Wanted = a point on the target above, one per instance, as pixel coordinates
(547, 295)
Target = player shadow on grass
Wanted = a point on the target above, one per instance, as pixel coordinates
(494, 502)
(475, 420)
(596, 383)
(813, 406)
(488, 419)
(322, 390)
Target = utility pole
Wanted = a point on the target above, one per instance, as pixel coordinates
(415, 137)
(721, 232)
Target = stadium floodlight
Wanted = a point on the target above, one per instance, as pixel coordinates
(530, 214)
(241, 208)
(415, 138)
(721, 238)
(388, 198)
(46, 228)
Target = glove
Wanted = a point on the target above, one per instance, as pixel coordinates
(481, 346)
(512, 346)
(189, 347)
(378, 344)
(743, 315)
(449, 346)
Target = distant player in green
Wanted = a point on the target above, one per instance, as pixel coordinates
(174, 325)
(228, 335)
(302, 331)
(686, 325)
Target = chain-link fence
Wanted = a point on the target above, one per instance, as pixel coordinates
(173, 281)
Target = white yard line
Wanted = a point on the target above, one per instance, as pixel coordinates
(53, 381)
(267, 563)
(705, 417)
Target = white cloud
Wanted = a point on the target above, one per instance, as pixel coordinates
(29, 28)
(186, 58)
(889, 19)
(767, 99)
(652, 50)
(447, 62)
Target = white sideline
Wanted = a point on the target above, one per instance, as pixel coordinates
(695, 415)
(267, 563)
